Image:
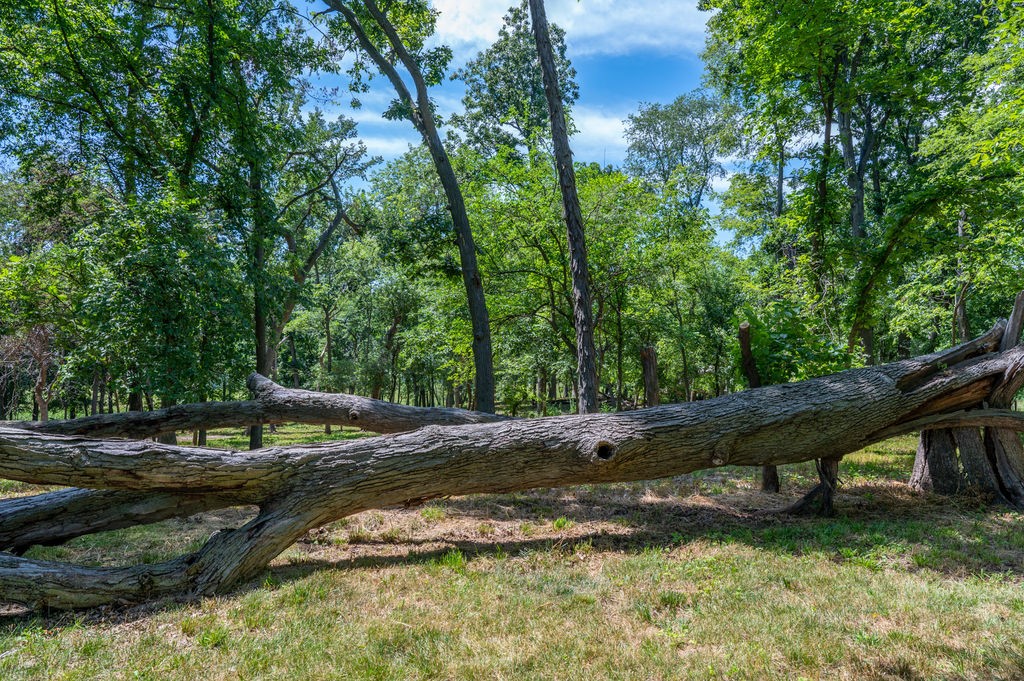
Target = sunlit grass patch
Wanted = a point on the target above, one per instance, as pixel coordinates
(281, 435)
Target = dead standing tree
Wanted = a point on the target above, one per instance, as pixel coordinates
(302, 487)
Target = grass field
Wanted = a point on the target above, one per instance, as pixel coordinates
(678, 578)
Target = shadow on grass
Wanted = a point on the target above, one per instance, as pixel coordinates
(879, 525)
(876, 523)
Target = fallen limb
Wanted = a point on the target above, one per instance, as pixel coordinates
(54, 518)
(272, 404)
(299, 488)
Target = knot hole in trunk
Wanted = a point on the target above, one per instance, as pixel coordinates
(604, 450)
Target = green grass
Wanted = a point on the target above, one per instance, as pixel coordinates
(282, 435)
(677, 578)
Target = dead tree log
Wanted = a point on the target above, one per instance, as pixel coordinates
(302, 487)
(25, 522)
(273, 404)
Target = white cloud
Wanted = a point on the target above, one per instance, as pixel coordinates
(593, 27)
(720, 184)
(468, 25)
(388, 146)
(600, 135)
(608, 27)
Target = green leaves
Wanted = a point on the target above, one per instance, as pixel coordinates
(504, 102)
(678, 147)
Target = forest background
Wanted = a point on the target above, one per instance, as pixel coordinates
(186, 198)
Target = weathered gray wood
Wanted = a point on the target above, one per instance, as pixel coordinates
(921, 476)
(56, 517)
(228, 557)
(1005, 447)
(304, 406)
(992, 469)
(143, 465)
(33, 520)
(273, 404)
(938, 451)
(993, 418)
(142, 424)
(977, 469)
(1014, 325)
(302, 487)
(933, 364)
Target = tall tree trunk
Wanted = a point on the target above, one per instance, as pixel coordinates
(582, 314)
(422, 117)
(961, 323)
(854, 172)
(769, 473)
(94, 407)
(135, 400)
(819, 213)
(259, 265)
(649, 370)
(41, 398)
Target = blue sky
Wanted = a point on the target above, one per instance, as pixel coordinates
(624, 53)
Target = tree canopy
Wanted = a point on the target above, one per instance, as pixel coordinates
(177, 207)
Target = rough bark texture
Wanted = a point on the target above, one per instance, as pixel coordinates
(769, 474)
(940, 472)
(951, 461)
(56, 517)
(302, 487)
(586, 355)
(273, 404)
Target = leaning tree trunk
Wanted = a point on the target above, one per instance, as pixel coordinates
(302, 487)
(586, 356)
(421, 114)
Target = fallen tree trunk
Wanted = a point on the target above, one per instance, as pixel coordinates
(28, 521)
(54, 518)
(302, 487)
(272, 404)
